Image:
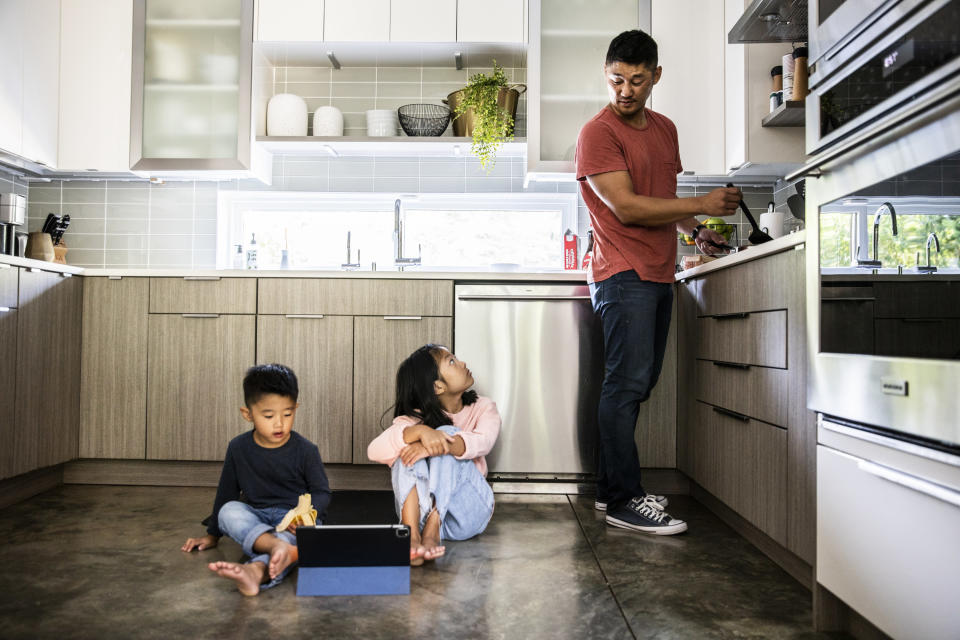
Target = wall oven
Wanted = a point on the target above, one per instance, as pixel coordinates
(883, 313)
(904, 53)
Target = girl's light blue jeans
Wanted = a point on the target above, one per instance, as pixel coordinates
(461, 493)
(245, 524)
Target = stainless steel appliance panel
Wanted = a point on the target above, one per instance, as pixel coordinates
(537, 351)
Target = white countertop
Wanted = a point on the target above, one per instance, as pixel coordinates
(28, 263)
(752, 252)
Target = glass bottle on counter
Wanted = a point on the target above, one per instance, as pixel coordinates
(252, 252)
(237, 258)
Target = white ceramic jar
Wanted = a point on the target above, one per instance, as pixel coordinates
(382, 122)
(286, 115)
(327, 121)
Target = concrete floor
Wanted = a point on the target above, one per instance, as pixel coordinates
(104, 562)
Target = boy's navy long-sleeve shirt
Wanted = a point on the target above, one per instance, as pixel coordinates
(271, 477)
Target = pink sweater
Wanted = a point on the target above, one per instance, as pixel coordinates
(478, 425)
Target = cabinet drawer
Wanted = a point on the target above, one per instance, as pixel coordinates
(759, 285)
(8, 286)
(758, 392)
(743, 463)
(744, 338)
(203, 295)
(362, 297)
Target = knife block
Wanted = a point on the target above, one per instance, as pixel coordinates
(60, 253)
(40, 246)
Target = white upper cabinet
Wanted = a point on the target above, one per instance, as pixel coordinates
(423, 21)
(95, 57)
(11, 76)
(29, 91)
(290, 20)
(41, 84)
(357, 21)
(691, 39)
(492, 20)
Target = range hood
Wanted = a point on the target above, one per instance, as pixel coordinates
(771, 21)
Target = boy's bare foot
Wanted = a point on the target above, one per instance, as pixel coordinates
(247, 576)
(431, 537)
(282, 556)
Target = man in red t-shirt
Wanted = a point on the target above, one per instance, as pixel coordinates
(627, 163)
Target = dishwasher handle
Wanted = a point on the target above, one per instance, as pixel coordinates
(506, 296)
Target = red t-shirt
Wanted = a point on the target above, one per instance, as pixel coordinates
(652, 157)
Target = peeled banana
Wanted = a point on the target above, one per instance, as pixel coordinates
(302, 514)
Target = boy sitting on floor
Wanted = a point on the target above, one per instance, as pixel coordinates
(271, 466)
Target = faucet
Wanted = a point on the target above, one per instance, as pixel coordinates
(350, 266)
(398, 258)
(886, 206)
(928, 268)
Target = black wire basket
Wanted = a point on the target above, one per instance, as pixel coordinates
(424, 119)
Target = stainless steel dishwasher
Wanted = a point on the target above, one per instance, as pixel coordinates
(537, 351)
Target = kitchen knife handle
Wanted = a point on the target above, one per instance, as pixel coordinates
(731, 365)
(731, 414)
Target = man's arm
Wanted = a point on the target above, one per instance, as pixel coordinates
(616, 191)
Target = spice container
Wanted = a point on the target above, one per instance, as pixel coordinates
(800, 74)
(776, 99)
(788, 76)
(776, 77)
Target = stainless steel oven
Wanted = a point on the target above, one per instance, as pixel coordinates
(883, 257)
(887, 60)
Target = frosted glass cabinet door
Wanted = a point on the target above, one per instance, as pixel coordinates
(192, 74)
(568, 44)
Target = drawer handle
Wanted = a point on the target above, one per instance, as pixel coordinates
(731, 414)
(731, 365)
(923, 320)
(199, 315)
(910, 482)
(304, 316)
(528, 298)
(848, 299)
(731, 316)
(403, 317)
(114, 277)
(201, 277)
(4, 309)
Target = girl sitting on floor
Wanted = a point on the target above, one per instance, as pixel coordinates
(435, 448)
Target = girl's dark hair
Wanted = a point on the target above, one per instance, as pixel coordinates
(264, 379)
(415, 394)
(633, 47)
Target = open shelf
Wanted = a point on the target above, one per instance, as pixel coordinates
(789, 114)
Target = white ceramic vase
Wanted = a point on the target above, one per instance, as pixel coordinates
(327, 121)
(286, 115)
(382, 122)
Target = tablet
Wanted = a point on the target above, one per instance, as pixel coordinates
(353, 560)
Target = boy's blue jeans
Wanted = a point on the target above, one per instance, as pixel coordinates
(635, 315)
(461, 493)
(245, 524)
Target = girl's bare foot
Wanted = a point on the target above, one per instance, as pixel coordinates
(416, 548)
(282, 556)
(247, 576)
(431, 537)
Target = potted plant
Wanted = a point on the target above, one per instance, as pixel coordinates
(485, 110)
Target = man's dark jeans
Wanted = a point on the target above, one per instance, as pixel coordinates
(636, 320)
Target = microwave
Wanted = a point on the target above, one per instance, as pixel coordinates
(894, 56)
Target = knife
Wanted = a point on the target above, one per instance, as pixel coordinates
(62, 225)
(49, 223)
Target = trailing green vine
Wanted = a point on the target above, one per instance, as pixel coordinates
(492, 125)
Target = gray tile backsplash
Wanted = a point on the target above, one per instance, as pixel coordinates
(135, 223)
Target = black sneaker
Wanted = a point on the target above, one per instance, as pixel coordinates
(645, 514)
(600, 504)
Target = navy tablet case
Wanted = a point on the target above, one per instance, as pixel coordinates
(353, 560)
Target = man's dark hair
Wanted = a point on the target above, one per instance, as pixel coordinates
(264, 379)
(633, 47)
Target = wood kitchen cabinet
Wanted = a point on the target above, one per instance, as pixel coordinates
(319, 349)
(8, 373)
(194, 383)
(381, 344)
(745, 434)
(46, 411)
(113, 381)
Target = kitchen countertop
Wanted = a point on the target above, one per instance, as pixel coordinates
(29, 263)
(752, 252)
